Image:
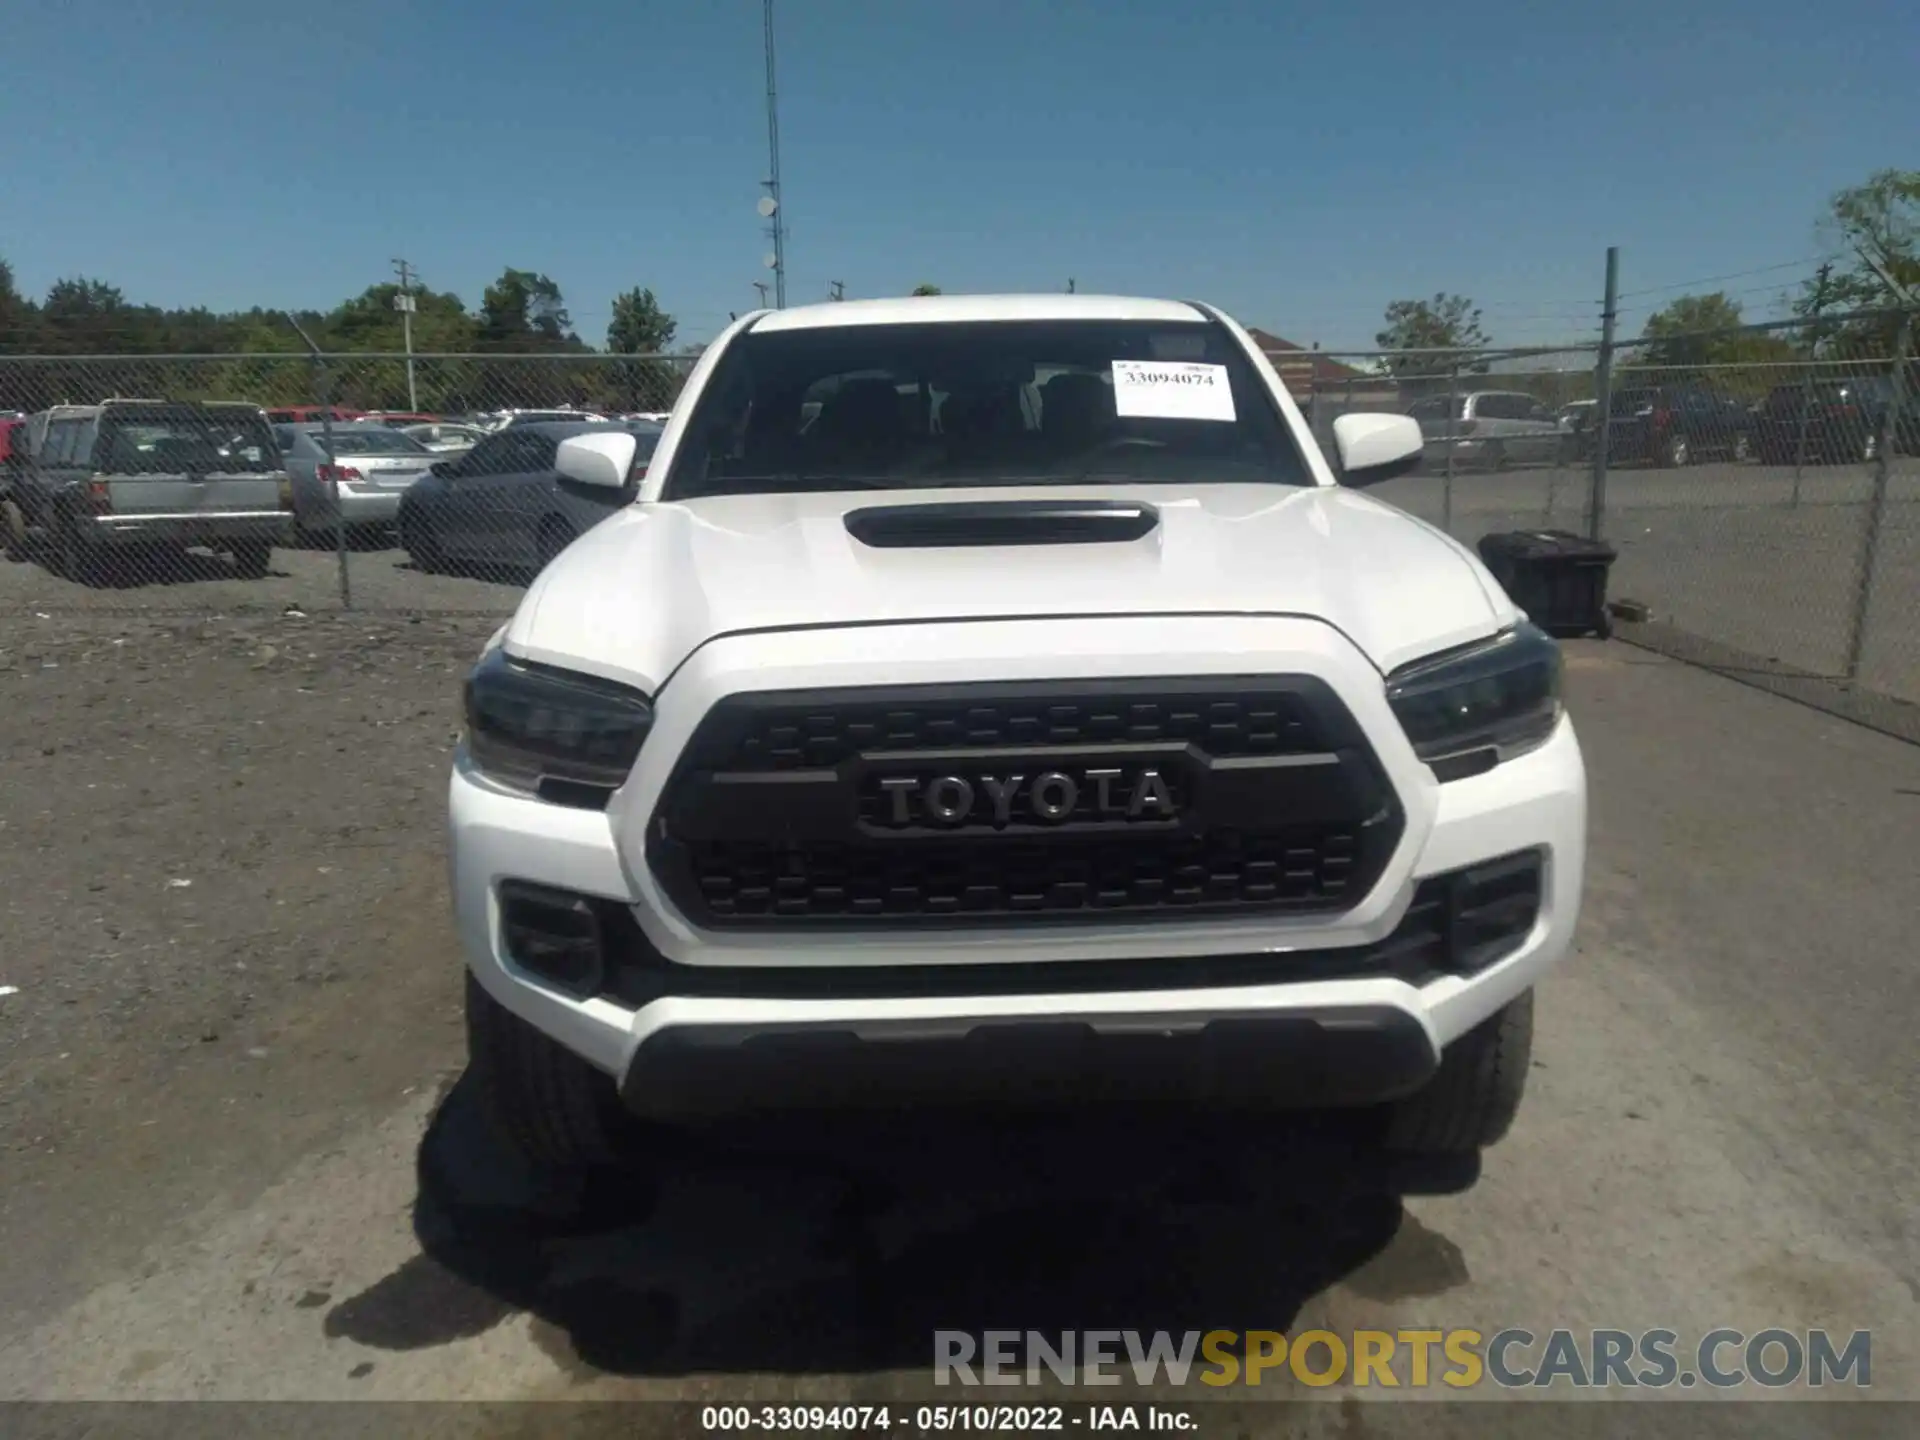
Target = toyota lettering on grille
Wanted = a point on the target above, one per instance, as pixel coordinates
(1046, 797)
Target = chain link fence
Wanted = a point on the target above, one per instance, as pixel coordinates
(1762, 486)
(1767, 507)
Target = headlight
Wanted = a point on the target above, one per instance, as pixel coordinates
(535, 727)
(1467, 710)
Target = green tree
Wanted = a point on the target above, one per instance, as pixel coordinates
(524, 310)
(927, 290)
(1699, 337)
(640, 327)
(1446, 322)
(521, 314)
(1874, 228)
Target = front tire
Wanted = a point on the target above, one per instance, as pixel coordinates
(418, 540)
(1471, 1101)
(553, 1108)
(252, 559)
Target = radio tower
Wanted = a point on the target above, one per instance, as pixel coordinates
(770, 202)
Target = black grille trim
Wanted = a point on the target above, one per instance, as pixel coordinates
(818, 729)
(769, 817)
(1457, 923)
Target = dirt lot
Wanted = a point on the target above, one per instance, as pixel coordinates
(218, 836)
(239, 1164)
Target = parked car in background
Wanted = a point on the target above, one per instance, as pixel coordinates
(372, 464)
(301, 414)
(502, 509)
(1492, 429)
(399, 419)
(1579, 430)
(1676, 425)
(110, 481)
(446, 439)
(507, 419)
(1842, 421)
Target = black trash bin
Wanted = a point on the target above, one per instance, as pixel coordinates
(1557, 577)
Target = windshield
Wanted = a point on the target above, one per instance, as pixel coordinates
(1437, 408)
(369, 440)
(983, 403)
(185, 442)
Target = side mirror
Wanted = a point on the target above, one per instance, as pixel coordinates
(601, 460)
(1376, 447)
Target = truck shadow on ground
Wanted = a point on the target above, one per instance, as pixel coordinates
(834, 1250)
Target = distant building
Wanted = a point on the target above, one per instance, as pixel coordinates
(1307, 373)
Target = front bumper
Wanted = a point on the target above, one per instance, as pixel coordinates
(187, 528)
(1314, 1009)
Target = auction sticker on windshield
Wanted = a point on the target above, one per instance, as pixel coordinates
(1171, 390)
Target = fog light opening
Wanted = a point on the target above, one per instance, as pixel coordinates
(553, 935)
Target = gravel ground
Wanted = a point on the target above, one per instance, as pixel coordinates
(239, 1162)
(218, 835)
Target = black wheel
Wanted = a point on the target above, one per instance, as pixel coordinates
(251, 558)
(1497, 456)
(548, 1104)
(13, 530)
(555, 536)
(418, 540)
(1470, 1103)
(77, 560)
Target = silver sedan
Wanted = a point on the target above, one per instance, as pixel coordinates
(372, 466)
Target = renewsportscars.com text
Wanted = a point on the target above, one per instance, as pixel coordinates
(1458, 1358)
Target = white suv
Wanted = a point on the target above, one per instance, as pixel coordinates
(1001, 699)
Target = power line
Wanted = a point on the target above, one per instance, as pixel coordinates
(1735, 275)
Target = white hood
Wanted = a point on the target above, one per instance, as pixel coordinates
(644, 589)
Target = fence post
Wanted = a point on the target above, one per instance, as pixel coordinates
(323, 396)
(1453, 411)
(1603, 398)
(1806, 389)
(1877, 511)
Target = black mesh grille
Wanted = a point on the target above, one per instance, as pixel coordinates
(805, 737)
(988, 877)
(804, 841)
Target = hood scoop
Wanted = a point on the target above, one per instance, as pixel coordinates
(1001, 522)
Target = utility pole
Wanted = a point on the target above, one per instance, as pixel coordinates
(838, 289)
(1603, 397)
(761, 286)
(770, 205)
(404, 303)
(1806, 390)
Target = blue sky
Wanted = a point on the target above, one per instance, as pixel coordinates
(1301, 164)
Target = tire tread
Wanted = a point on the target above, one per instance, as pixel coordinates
(551, 1106)
(1471, 1101)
